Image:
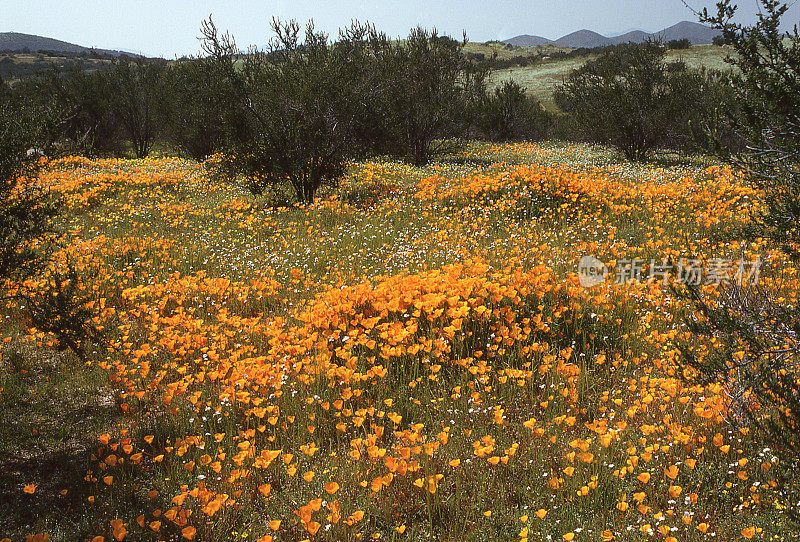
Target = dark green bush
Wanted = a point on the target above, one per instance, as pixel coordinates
(24, 209)
(293, 109)
(192, 110)
(135, 88)
(682, 43)
(297, 112)
(427, 93)
(622, 98)
(97, 113)
(631, 99)
(509, 114)
(75, 112)
(704, 123)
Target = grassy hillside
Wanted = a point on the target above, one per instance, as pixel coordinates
(17, 42)
(412, 357)
(14, 41)
(541, 78)
(504, 51)
(696, 34)
(538, 80)
(17, 66)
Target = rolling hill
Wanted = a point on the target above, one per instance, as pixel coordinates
(17, 42)
(583, 38)
(696, 33)
(636, 36)
(526, 40)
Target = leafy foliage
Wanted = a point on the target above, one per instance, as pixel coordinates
(95, 113)
(192, 112)
(74, 112)
(24, 210)
(630, 98)
(682, 43)
(135, 91)
(619, 98)
(509, 114)
(704, 119)
(427, 90)
(301, 109)
(756, 330)
(769, 89)
(293, 107)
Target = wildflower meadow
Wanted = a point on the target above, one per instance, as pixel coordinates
(411, 357)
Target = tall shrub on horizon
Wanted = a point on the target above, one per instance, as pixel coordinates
(293, 108)
(428, 93)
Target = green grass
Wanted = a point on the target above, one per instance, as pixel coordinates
(540, 79)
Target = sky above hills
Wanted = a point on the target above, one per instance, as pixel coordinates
(170, 28)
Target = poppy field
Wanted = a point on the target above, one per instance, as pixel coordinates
(411, 357)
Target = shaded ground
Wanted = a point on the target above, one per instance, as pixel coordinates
(50, 414)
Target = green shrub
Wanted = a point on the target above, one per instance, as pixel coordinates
(25, 224)
(24, 211)
(297, 112)
(75, 112)
(191, 113)
(135, 88)
(622, 98)
(705, 121)
(293, 108)
(682, 43)
(631, 99)
(752, 329)
(428, 90)
(509, 114)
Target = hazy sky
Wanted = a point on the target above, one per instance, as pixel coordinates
(170, 27)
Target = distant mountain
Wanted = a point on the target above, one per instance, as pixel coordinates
(583, 38)
(15, 42)
(636, 36)
(694, 32)
(628, 31)
(526, 40)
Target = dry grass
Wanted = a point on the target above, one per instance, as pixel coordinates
(504, 51)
